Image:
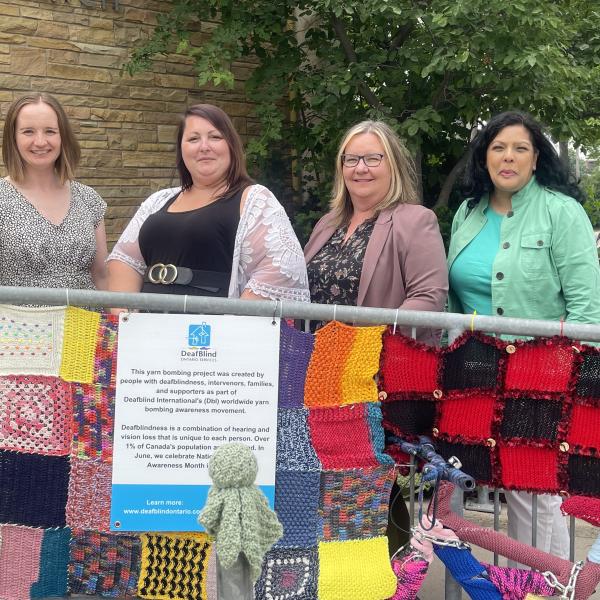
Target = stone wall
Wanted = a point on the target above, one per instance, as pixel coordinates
(75, 50)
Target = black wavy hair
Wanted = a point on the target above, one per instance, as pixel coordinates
(549, 172)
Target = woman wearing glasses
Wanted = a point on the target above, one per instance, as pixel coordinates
(375, 247)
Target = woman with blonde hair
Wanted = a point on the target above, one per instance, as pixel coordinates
(377, 246)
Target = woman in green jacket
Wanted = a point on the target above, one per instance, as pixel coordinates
(522, 246)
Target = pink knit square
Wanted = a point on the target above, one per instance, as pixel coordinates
(88, 504)
(341, 437)
(20, 550)
(36, 414)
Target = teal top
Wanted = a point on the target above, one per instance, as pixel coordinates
(546, 266)
(471, 272)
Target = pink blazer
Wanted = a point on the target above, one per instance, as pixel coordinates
(404, 265)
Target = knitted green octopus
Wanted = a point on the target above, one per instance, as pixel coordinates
(236, 512)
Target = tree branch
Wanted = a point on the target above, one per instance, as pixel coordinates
(401, 35)
(444, 196)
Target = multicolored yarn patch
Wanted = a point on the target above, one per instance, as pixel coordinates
(355, 570)
(174, 566)
(374, 419)
(288, 574)
(88, 504)
(297, 506)
(294, 450)
(105, 362)
(34, 489)
(343, 365)
(295, 349)
(19, 559)
(104, 564)
(35, 414)
(354, 504)
(54, 563)
(31, 340)
(79, 345)
(93, 422)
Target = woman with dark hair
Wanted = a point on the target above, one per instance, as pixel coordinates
(218, 234)
(522, 246)
(51, 226)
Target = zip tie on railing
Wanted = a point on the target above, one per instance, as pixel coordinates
(67, 292)
(562, 323)
(473, 321)
(395, 321)
(185, 303)
(334, 311)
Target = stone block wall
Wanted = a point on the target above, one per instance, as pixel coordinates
(75, 50)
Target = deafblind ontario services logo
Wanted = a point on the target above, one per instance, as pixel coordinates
(199, 339)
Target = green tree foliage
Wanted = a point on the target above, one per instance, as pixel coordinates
(432, 68)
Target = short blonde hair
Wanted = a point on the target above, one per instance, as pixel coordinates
(403, 184)
(70, 153)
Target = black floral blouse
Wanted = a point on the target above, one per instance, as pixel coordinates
(334, 272)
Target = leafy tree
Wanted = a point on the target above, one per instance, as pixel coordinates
(434, 69)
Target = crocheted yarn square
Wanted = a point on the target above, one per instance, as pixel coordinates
(54, 563)
(407, 366)
(531, 419)
(354, 504)
(79, 345)
(294, 449)
(35, 414)
(476, 460)
(295, 349)
(341, 437)
(93, 421)
(532, 469)
(467, 416)
(471, 362)
(297, 505)
(584, 475)
(104, 564)
(410, 417)
(31, 340)
(174, 566)
(34, 489)
(355, 570)
(540, 366)
(343, 365)
(584, 428)
(88, 504)
(105, 362)
(288, 575)
(19, 560)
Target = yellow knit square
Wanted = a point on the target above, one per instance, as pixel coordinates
(355, 570)
(362, 364)
(79, 345)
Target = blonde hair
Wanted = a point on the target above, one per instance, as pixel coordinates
(70, 153)
(403, 184)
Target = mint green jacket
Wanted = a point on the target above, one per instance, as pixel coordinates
(547, 263)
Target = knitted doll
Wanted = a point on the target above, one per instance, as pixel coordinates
(237, 513)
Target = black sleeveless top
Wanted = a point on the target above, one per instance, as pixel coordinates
(200, 239)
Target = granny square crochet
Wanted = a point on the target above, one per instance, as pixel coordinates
(104, 564)
(295, 349)
(79, 345)
(35, 414)
(341, 437)
(105, 362)
(19, 560)
(468, 416)
(297, 505)
(288, 574)
(31, 340)
(174, 566)
(531, 419)
(584, 475)
(584, 429)
(354, 504)
(93, 421)
(526, 468)
(355, 570)
(34, 489)
(476, 459)
(294, 449)
(54, 564)
(409, 417)
(88, 504)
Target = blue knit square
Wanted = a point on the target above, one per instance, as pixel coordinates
(295, 349)
(54, 563)
(297, 505)
(294, 449)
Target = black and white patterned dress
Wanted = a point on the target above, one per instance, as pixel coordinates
(36, 253)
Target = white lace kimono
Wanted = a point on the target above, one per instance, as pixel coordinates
(267, 257)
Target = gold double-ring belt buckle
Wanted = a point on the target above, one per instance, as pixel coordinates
(161, 273)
